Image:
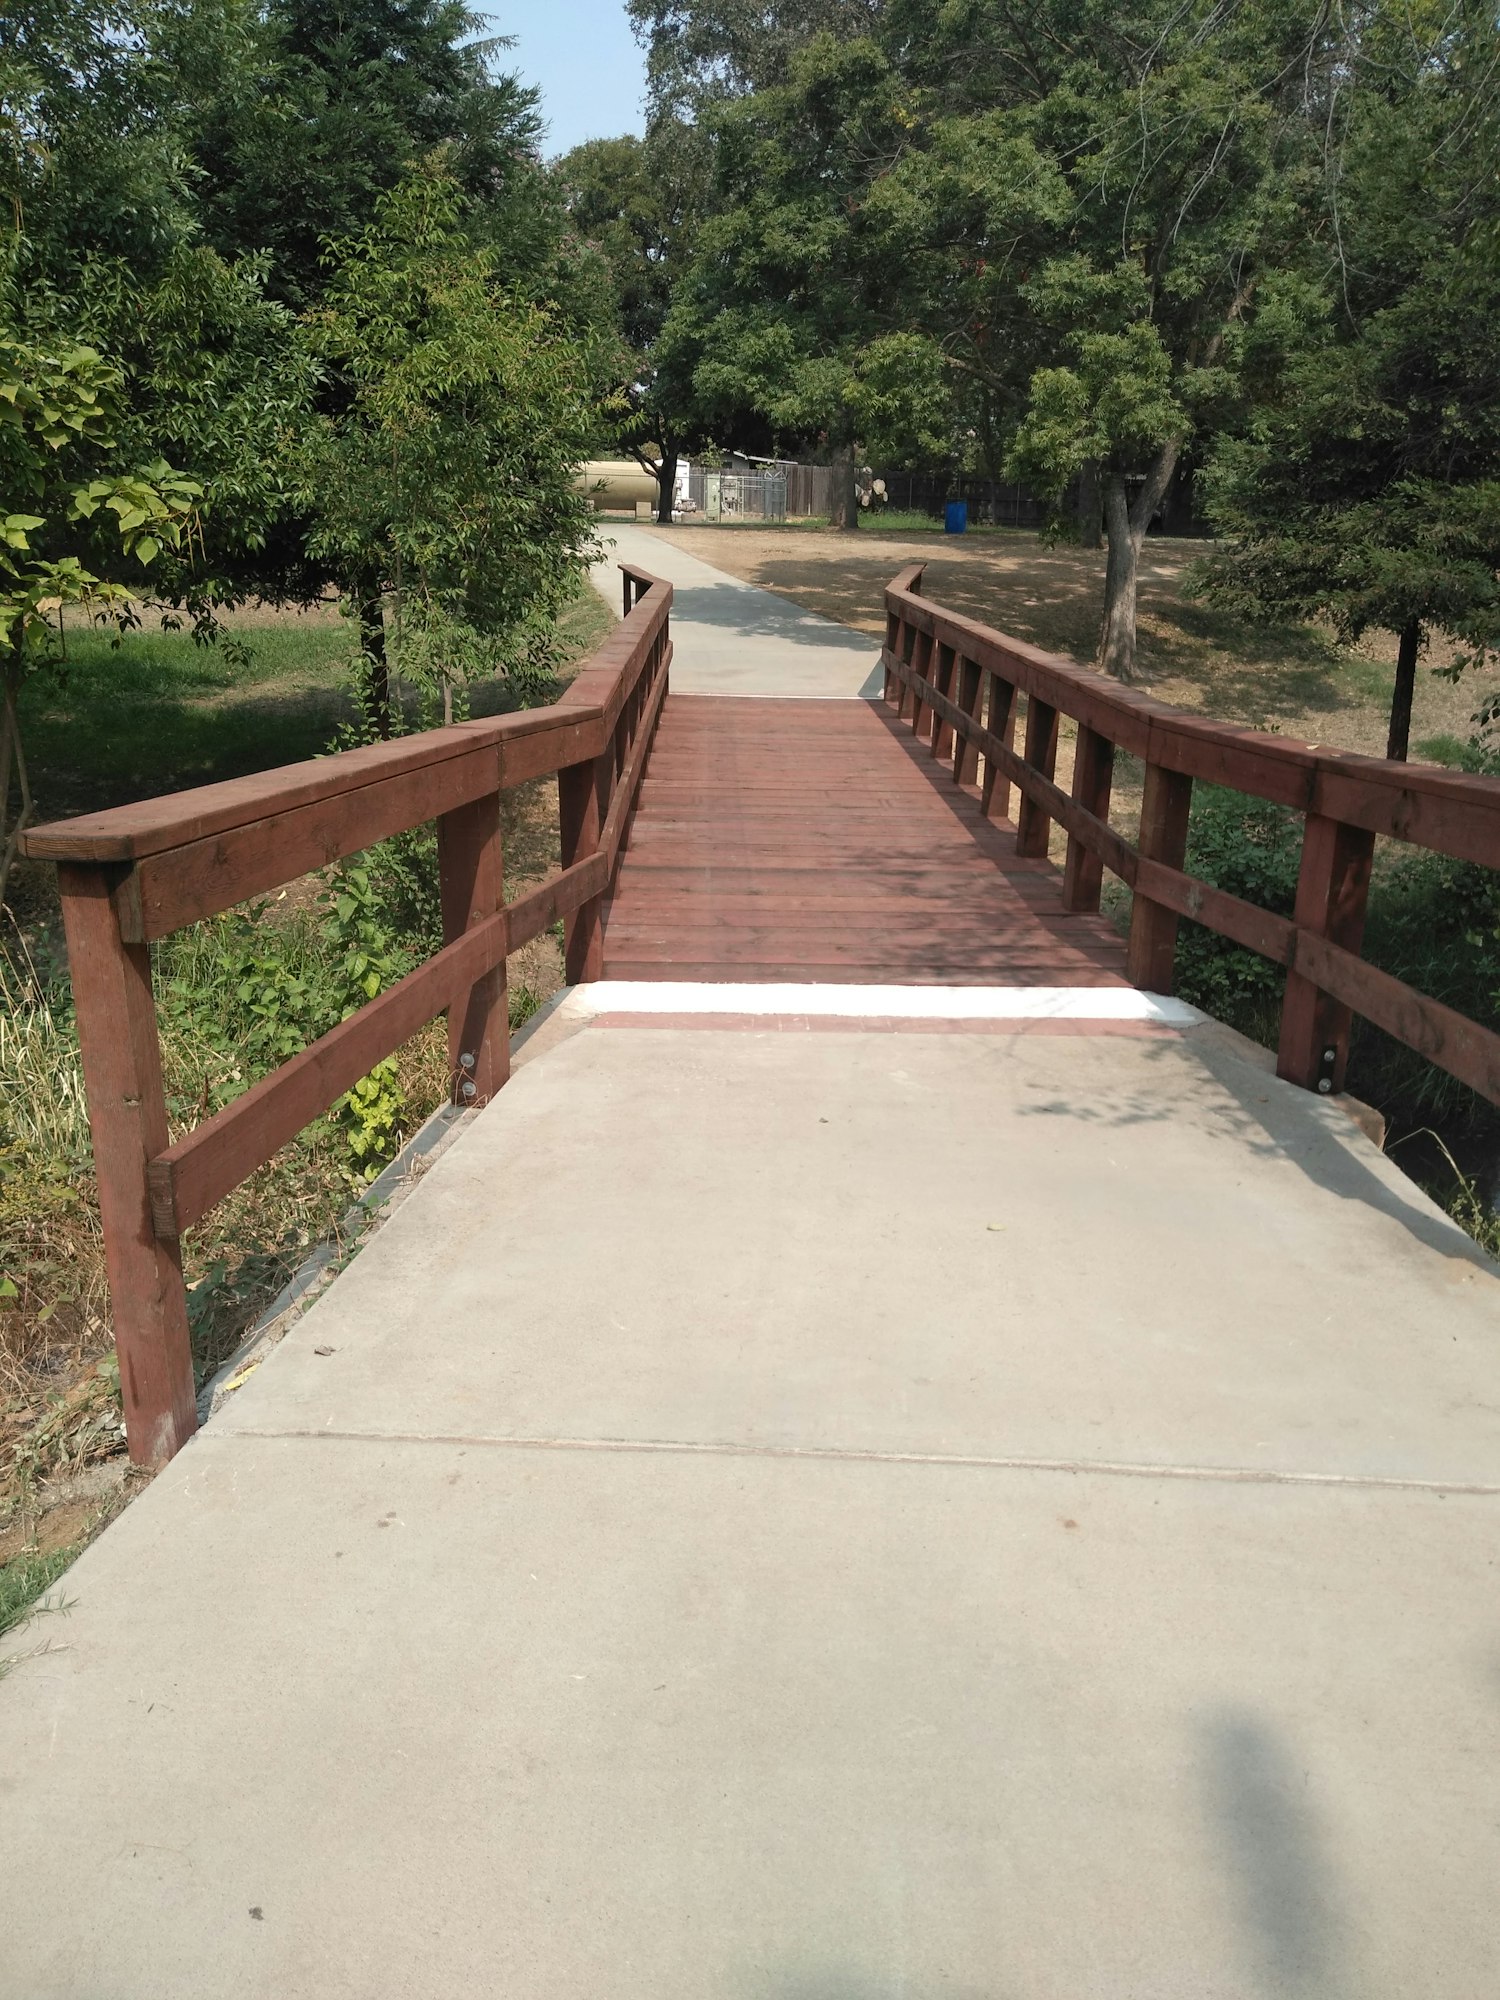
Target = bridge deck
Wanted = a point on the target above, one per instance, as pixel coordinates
(814, 840)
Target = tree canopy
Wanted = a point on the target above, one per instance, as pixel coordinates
(1090, 245)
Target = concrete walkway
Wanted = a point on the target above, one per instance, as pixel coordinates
(731, 637)
(982, 1508)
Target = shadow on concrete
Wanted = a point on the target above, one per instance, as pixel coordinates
(1273, 1856)
(758, 614)
(1274, 1119)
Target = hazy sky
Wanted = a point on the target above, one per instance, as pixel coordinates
(581, 54)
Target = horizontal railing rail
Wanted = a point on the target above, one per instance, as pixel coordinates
(959, 683)
(133, 874)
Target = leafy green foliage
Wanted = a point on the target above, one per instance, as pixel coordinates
(637, 204)
(445, 479)
(1366, 487)
(56, 445)
(1252, 849)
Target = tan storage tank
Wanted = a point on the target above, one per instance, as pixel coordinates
(617, 484)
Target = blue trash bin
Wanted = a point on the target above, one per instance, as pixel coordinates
(956, 517)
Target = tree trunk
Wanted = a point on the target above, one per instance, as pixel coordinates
(666, 485)
(369, 607)
(1125, 527)
(1398, 742)
(1089, 506)
(1117, 635)
(845, 513)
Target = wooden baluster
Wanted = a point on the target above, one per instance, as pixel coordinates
(1333, 886)
(1093, 774)
(895, 630)
(471, 882)
(994, 799)
(1151, 953)
(128, 1123)
(921, 661)
(583, 792)
(908, 655)
(970, 692)
(942, 732)
(626, 578)
(1033, 823)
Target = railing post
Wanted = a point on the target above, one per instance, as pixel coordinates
(1033, 823)
(1333, 886)
(908, 655)
(471, 880)
(942, 732)
(582, 804)
(128, 1123)
(994, 799)
(1093, 774)
(895, 626)
(1151, 953)
(965, 753)
(921, 663)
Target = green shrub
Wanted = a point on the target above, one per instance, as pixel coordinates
(1434, 923)
(1251, 849)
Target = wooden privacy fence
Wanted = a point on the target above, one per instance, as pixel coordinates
(134, 874)
(959, 682)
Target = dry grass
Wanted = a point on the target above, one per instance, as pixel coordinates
(1292, 679)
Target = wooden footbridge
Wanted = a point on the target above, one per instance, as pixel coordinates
(996, 1497)
(705, 840)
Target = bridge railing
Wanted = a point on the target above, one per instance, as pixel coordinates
(134, 874)
(959, 682)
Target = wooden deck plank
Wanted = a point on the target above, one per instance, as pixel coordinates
(813, 840)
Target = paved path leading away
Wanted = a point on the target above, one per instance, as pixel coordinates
(796, 840)
(731, 637)
(811, 1516)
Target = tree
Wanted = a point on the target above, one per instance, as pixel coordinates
(1366, 489)
(441, 485)
(299, 114)
(1180, 144)
(785, 312)
(639, 203)
(71, 510)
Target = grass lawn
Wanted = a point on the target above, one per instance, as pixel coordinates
(157, 713)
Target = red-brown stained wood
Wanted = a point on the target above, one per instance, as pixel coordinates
(818, 840)
(1451, 812)
(942, 732)
(968, 693)
(1333, 886)
(582, 802)
(1032, 823)
(1093, 774)
(166, 891)
(471, 878)
(128, 1126)
(1001, 723)
(1152, 949)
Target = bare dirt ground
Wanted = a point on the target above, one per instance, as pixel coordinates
(1291, 679)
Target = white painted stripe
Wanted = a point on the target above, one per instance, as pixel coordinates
(912, 1003)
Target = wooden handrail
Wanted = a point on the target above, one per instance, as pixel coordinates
(138, 872)
(932, 656)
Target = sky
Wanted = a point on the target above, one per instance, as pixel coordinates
(582, 56)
